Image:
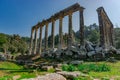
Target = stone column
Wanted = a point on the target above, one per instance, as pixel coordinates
(81, 27)
(52, 33)
(111, 35)
(35, 42)
(60, 33)
(31, 42)
(46, 36)
(102, 39)
(40, 40)
(70, 30)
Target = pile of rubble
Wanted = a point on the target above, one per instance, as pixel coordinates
(76, 51)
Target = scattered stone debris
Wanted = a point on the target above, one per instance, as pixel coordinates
(51, 76)
(76, 62)
(90, 50)
(71, 75)
(46, 68)
(111, 59)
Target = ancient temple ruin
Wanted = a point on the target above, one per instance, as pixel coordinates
(58, 16)
(106, 28)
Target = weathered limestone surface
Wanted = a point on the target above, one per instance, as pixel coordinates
(51, 76)
(31, 42)
(52, 33)
(70, 37)
(60, 33)
(81, 27)
(40, 41)
(35, 42)
(46, 36)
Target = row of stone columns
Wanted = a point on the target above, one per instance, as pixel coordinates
(35, 50)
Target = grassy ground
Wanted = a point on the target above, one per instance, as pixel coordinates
(9, 70)
(114, 73)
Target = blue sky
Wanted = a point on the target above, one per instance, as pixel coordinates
(18, 16)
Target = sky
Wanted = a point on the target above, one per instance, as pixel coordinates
(18, 16)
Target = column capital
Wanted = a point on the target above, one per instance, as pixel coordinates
(81, 9)
(70, 12)
(32, 30)
(61, 16)
(46, 23)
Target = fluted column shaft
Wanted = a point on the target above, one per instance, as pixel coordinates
(40, 40)
(31, 42)
(60, 33)
(46, 36)
(81, 27)
(52, 34)
(35, 43)
(70, 30)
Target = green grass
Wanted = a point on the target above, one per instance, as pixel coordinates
(87, 67)
(101, 70)
(98, 70)
(9, 70)
(115, 70)
(9, 65)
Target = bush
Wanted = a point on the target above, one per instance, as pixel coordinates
(102, 68)
(68, 68)
(65, 67)
(94, 67)
(87, 68)
(71, 68)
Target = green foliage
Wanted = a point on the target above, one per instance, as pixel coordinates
(27, 75)
(91, 33)
(68, 68)
(9, 65)
(51, 70)
(94, 36)
(94, 67)
(87, 67)
(65, 67)
(6, 78)
(13, 44)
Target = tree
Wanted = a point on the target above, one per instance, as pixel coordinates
(94, 36)
(3, 43)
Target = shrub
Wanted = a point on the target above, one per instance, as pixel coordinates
(102, 68)
(68, 68)
(65, 67)
(71, 68)
(87, 67)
